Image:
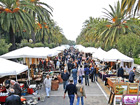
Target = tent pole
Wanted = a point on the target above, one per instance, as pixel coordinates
(102, 72)
(29, 75)
(16, 78)
(24, 60)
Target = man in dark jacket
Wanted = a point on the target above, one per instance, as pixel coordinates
(120, 72)
(65, 77)
(132, 75)
(71, 88)
(87, 72)
(13, 99)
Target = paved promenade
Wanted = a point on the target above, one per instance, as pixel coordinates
(95, 96)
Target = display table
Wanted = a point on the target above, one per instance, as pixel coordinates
(103, 76)
(3, 98)
(112, 81)
(38, 80)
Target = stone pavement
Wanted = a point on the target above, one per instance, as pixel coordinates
(94, 96)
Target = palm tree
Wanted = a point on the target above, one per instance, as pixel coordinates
(130, 5)
(41, 14)
(118, 25)
(89, 32)
(13, 17)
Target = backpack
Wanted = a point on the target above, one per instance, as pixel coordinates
(81, 89)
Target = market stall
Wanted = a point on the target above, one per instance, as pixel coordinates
(9, 68)
(120, 88)
(114, 55)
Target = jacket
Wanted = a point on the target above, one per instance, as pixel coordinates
(65, 77)
(13, 100)
(131, 76)
(87, 71)
(47, 82)
(120, 72)
(79, 94)
(71, 88)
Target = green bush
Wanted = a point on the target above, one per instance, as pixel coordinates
(4, 47)
(39, 45)
(137, 61)
(52, 45)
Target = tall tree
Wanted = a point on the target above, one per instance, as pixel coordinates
(41, 14)
(130, 5)
(117, 24)
(13, 18)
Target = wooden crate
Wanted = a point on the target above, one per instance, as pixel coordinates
(133, 88)
(120, 88)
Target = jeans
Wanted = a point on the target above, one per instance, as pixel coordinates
(95, 75)
(65, 84)
(78, 100)
(71, 97)
(75, 80)
(48, 91)
(87, 79)
(81, 78)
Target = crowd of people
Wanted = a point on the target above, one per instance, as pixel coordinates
(73, 68)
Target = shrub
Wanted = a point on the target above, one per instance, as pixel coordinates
(4, 47)
(39, 45)
(137, 61)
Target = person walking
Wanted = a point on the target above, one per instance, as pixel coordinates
(92, 70)
(69, 64)
(80, 92)
(65, 76)
(13, 99)
(95, 73)
(74, 75)
(47, 83)
(132, 75)
(81, 73)
(120, 72)
(87, 72)
(71, 89)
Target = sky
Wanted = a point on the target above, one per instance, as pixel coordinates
(71, 14)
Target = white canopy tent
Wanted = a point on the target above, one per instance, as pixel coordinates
(18, 53)
(27, 52)
(99, 54)
(113, 55)
(90, 50)
(11, 68)
(80, 48)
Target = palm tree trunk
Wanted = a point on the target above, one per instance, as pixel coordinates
(43, 39)
(48, 39)
(33, 36)
(12, 40)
